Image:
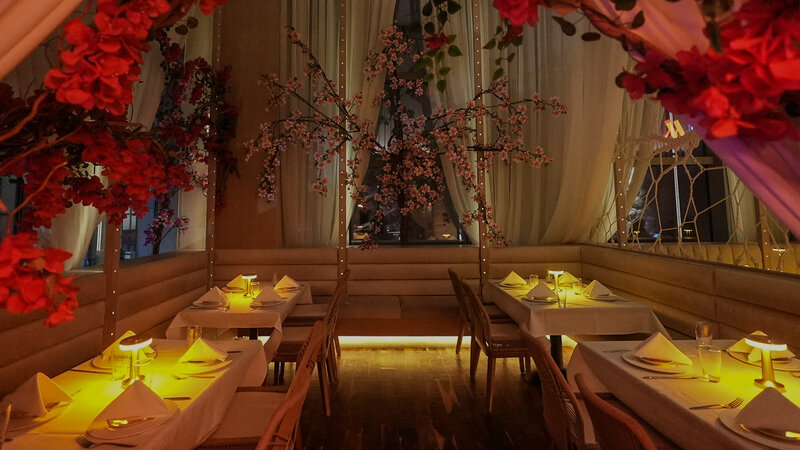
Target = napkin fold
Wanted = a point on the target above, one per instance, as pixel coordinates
(567, 279)
(267, 295)
(202, 350)
(754, 354)
(32, 396)
(214, 296)
(286, 283)
(135, 402)
(540, 292)
(115, 346)
(770, 410)
(596, 289)
(512, 279)
(657, 346)
(238, 283)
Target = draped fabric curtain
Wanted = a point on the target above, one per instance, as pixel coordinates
(365, 20)
(460, 89)
(560, 203)
(309, 219)
(26, 24)
(639, 118)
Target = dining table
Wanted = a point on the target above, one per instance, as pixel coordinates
(663, 400)
(201, 401)
(239, 313)
(582, 315)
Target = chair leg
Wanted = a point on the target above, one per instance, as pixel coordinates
(333, 369)
(474, 356)
(528, 373)
(276, 373)
(460, 338)
(324, 388)
(521, 366)
(338, 346)
(490, 383)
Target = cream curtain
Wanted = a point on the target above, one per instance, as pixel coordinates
(309, 219)
(560, 203)
(365, 20)
(460, 89)
(26, 24)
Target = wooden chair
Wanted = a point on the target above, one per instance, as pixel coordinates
(269, 417)
(497, 340)
(563, 416)
(293, 337)
(495, 314)
(306, 315)
(614, 429)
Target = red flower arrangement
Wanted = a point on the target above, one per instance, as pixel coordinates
(518, 12)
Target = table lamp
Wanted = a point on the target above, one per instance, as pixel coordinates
(249, 278)
(556, 275)
(767, 346)
(134, 344)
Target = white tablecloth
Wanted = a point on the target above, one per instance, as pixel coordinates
(665, 403)
(240, 315)
(581, 316)
(196, 420)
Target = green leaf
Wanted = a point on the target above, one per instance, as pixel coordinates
(427, 10)
(428, 77)
(624, 5)
(453, 7)
(427, 61)
(497, 61)
(441, 85)
(590, 36)
(714, 36)
(429, 27)
(441, 16)
(490, 45)
(439, 56)
(511, 57)
(453, 50)
(444, 71)
(567, 27)
(638, 20)
(517, 41)
(497, 73)
(452, 37)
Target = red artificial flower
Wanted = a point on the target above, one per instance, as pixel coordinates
(519, 11)
(634, 84)
(437, 41)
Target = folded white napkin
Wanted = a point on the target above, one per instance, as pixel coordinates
(540, 292)
(754, 354)
(32, 396)
(770, 410)
(567, 279)
(137, 401)
(115, 346)
(238, 283)
(202, 350)
(266, 296)
(512, 279)
(286, 283)
(214, 296)
(596, 289)
(657, 346)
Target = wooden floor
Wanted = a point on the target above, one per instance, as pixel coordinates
(422, 399)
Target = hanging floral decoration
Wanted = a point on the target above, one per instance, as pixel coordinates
(410, 178)
(60, 141)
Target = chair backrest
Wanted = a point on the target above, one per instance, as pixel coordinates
(613, 428)
(281, 431)
(481, 324)
(562, 417)
(458, 290)
(332, 313)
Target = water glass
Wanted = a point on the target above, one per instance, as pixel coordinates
(274, 278)
(577, 287)
(711, 362)
(120, 365)
(144, 365)
(533, 280)
(255, 287)
(702, 333)
(193, 333)
(562, 294)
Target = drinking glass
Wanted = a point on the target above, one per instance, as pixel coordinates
(193, 333)
(145, 368)
(702, 333)
(274, 278)
(120, 365)
(533, 279)
(562, 294)
(577, 287)
(711, 362)
(256, 287)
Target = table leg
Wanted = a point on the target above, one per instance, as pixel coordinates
(254, 334)
(556, 350)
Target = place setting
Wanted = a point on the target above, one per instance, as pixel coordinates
(35, 402)
(286, 286)
(769, 419)
(202, 359)
(214, 299)
(658, 354)
(597, 291)
(782, 360)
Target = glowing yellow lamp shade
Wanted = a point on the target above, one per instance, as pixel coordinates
(767, 346)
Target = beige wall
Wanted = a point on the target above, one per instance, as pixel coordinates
(251, 37)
